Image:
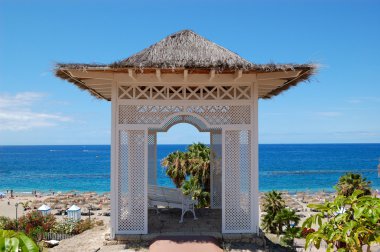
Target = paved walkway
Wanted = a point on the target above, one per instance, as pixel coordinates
(185, 244)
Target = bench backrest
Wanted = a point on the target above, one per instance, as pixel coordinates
(165, 194)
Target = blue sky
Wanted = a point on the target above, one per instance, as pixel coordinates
(340, 105)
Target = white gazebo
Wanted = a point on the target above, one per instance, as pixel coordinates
(44, 209)
(185, 78)
(74, 213)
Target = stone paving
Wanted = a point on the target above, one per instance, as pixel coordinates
(167, 221)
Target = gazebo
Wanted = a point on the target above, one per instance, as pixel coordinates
(74, 213)
(185, 78)
(44, 209)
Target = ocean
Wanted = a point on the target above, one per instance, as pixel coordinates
(291, 167)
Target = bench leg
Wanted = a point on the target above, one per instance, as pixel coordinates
(187, 208)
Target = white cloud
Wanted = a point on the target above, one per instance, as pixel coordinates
(16, 112)
(329, 114)
(368, 99)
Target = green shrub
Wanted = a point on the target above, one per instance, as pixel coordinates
(8, 223)
(34, 224)
(347, 230)
(99, 222)
(83, 225)
(66, 226)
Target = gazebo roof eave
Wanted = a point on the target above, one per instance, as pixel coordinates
(307, 70)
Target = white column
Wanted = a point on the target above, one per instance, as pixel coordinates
(255, 160)
(114, 163)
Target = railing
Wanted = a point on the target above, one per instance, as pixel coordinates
(56, 236)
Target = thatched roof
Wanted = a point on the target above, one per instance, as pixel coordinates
(187, 50)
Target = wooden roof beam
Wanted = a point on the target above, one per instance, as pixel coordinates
(158, 75)
(212, 75)
(132, 74)
(238, 74)
(185, 75)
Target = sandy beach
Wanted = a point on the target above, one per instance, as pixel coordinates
(100, 203)
(59, 203)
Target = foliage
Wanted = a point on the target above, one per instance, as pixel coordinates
(83, 225)
(34, 224)
(195, 162)
(25, 205)
(350, 182)
(7, 223)
(66, 226)
(176, 167)
(290, 234)
(347, 230)
(273, 203)
(193, 188)
(16, 241)
(286, 217)
(199, 163)
(69, 226)
(305, 231)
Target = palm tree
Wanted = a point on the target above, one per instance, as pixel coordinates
(273, 204)
(286, 217)
(199, 164)
(194, 162)
(176, 164)
(350, 182)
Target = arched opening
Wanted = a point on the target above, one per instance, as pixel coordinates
(177, 134)
(177, 138)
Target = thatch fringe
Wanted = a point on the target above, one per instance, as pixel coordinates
(187, 50)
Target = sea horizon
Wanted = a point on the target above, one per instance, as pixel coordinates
(283, 167)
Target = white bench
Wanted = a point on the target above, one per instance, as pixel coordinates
(171, 198)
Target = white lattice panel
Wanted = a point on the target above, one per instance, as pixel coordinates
(212, 92)
(131, 182)
(213, 114)
(152, 158)
(216, 168)
(237, 209)
(146, 114)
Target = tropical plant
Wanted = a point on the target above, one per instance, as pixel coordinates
(350, 182)
(193, 188)
(13, 241)
(199, 163)
(290, 234)
(176, 167)
(273, 204)
(195, 162)
(286, 217)
(352, 221)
